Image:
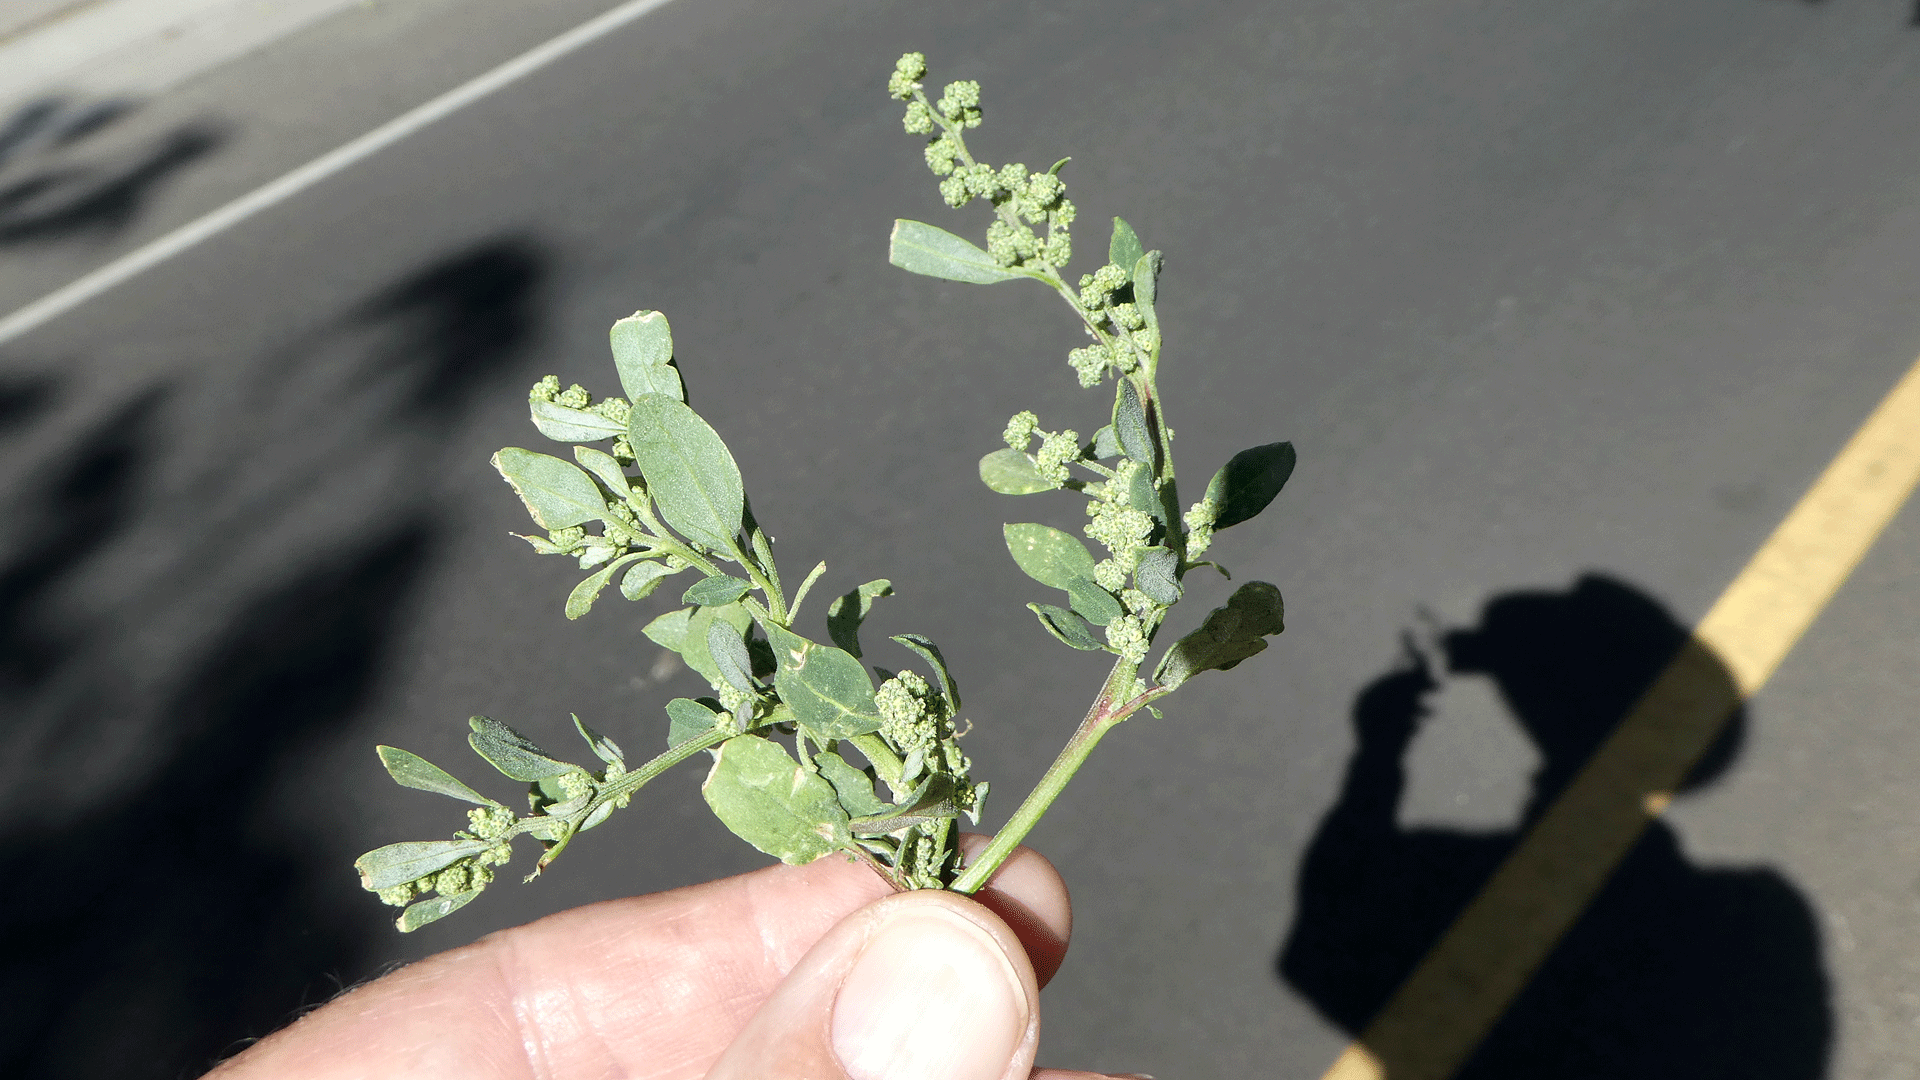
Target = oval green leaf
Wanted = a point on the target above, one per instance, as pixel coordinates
(922, 249)
(557, 493)
(730, 657)
(769, 800)
(642, 346)
(413, 771)
(694, 650)
(689, 471)
(1124, 249)
(669, 631)
(690, 719)
(853, 786)
(1249, 481)
(1157, 575)
(1093, 603)
(928, 651)
(605, 468)
(513, 753)
(716, 590)
(422, 912)
(397, 864)
(1048, 556)
(1011, 472)
(849, 610)
(1130, 425)
(580, 600)
(1067, 626)
(1229, 635)
(643, 579)
(561, 424)
(827, 689)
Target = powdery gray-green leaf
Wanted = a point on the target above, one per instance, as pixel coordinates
(730, 657)
(716, 590)
(561, 424)
(1248, 482)
(772, 802)
(849, 610)
(1130, 425)
(827, 689)
(642, 346)
(397, 864)
(643, 579)
(1067, 626)
(421, 912)
(689, 718)
(1157, 575)
(1048, 556)
(513, 753)
(413, 771)
(556, 492)
(928, 651)
(853, 786)
(694, 650)
(1146, 286)
(603, 748)
(1124, 249)
(669, 631)
(1229, 635)
(580, 600)
(922, 249)
(605, 468)
(689, 471)
(1011, 472)
(932, 802)
(1093, 603)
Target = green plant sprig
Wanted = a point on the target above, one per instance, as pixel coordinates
(874, 773)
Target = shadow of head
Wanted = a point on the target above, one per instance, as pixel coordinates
(1572, 665)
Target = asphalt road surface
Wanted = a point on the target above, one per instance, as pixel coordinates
(1563, 306)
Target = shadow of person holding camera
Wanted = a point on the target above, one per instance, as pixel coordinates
(1673, 969)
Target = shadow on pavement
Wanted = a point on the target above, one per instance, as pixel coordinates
(53, 197)
(1673, 969)
(197, 591)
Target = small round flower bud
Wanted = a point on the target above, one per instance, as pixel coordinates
(918, 120)
(1020, 429)
(1056, 451)
(545, 390)
(574, 397)
(1126, 636)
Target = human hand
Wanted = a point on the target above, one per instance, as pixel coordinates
(809, 971)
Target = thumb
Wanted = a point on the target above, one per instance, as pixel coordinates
(921, 985)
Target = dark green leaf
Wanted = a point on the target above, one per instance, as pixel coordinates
(603, 748)
(642, 346)
(1246, 484)
(716, 590)
(413, 771)
(931, 802)
(1124, 249)
(1105, 443)
(729, 652)
(827, 689)
(421, 912)
(1092, 602)
(1130, 425)
(1068, 627)
(605, 468)
(511, 752)
(397, 864)
(690, 719)
(580, 600)
(930, 652)
(556, 492)
(854, 786)
(1229, 635)
(922, 249)
(694, 648)
(1157, 575)
(643, 579)
(1048, 555)
(689, 471)
(1146, 282)
(1142, 496)
(849, 610)
(772, 802)
(1011, 472)
(669, 631)
(561, 424)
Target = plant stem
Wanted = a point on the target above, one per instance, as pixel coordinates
(1106, 711)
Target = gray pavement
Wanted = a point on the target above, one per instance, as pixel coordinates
(1562, 306)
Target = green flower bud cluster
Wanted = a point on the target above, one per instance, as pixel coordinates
(1120, 528)
(1127, 636)
(907, 73)
(960, 104)
(1020, 429)
(1199, 520)
(1057, 450)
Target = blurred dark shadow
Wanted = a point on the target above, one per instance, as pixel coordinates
(50, 196)
(1672, 970)
(199, 589)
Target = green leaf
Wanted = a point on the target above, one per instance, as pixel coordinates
(1068, 627)
(1092, 602)
(561, 424)
(1130, 425)
(556, 492)
(1142, 496)
(689, 471)
(1157, 575)
(930, 652)
(690, 719)
(513, 753)
(1146, 283)
(1105, 443)
(413, 771)
(1048, 556)
(1229, 635)
(642, 346)
(772, 802)
(854, 786)
(1248, 482)
(643, 579)
(580, 600)
(1011, 472)
(669, 631)
(716, 590)
(827, 689)
(397, 864)
(931, 802)
(422, 912)
(730, 657)
(603, 466)
(849, 610)
(603, 748)
(922, 249)
(1124, 249)
(694, 649)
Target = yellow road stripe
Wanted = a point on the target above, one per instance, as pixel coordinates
(1436, 1019)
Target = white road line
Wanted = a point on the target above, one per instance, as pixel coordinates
(65, 299)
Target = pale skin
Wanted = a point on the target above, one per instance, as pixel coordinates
(734, 978)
